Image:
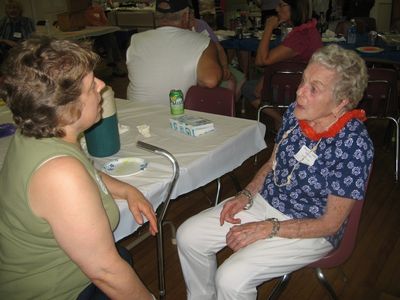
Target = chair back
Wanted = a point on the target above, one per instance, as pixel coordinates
(339, 255)
(347, 244)
(218, 100)
(281, 81)
(380, 98)
(364, 24)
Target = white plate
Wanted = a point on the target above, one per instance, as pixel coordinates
(126, 166)
(225, 33)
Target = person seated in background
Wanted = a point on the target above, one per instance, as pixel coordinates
(293, 212)
(95, 16)
(232, 78)
(14, 27)
(57, 211)
(170, 56)
(299, 44)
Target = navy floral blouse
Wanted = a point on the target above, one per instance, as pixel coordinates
(341, 168)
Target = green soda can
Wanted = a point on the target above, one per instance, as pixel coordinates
(176, 102)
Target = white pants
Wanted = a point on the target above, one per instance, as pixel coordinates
(201, 237)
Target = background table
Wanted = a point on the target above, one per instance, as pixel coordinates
(201, 159)
(389, 55)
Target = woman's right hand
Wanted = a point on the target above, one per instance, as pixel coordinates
(272, 22)
(231, 208)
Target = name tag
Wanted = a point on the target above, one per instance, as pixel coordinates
(17, 35)
(306, 156)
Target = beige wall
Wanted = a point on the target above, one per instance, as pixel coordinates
(382, 11)
(42, 9)
(26, 4)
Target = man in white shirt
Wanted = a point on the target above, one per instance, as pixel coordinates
(170, 57)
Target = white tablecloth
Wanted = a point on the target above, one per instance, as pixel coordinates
(201, 159)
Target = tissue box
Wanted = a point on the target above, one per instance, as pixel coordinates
(191, 125)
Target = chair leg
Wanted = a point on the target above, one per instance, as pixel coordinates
(236, 183)
(322, 279)
(279, 287)
(218, 191)
(243, 105)
(397, 145)
(173, 231)
(397, 149)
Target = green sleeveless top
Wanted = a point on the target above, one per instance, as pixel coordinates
(32, 265)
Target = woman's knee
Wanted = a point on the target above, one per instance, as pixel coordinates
(230, 278)
(186, 234)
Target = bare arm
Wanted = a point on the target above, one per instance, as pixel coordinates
(223, 60)
(264, 55)
(257, 182)
(236, 204)
(209, 71)
(64, 194)
(137, 203)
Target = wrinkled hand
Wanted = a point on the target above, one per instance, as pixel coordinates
(139, 207)
(240, 236)
(231, 208)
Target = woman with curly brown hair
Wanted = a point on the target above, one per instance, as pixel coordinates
(57, 211)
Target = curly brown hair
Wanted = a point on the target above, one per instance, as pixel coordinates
(42, 82)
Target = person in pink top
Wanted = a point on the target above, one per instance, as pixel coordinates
(299, 44)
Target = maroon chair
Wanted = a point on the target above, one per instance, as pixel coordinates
(218, 100)
(333, 259)
(381, 101)
(281, 81)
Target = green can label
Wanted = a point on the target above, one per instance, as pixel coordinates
(176, 102)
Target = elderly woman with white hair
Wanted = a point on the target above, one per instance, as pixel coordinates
(294, 210)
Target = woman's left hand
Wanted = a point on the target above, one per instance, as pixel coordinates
(240, 236)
